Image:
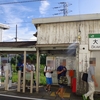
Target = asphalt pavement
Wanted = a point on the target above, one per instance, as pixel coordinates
(10, 97)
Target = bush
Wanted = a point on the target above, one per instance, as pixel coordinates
(14, 77)
(13, 68)
(2, 79)
(42, 77)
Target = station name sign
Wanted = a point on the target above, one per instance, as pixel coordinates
(94, 41)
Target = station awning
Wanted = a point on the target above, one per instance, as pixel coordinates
(55, 46)
(57, 49)
(17, 47)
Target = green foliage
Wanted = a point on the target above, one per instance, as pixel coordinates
(43, 59)
(42, 77)
(14, 73)
(15, 77)
(42, 69)
(13, 61)
(13, 68)
(2, 79)
(19, 58)
(4, 55)
(31, 57)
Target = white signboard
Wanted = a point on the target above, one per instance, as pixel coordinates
(94, 41)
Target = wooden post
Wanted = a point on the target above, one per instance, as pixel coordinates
(37, 72)
(19, 81)
(77, 70)
(0, 69)
(24, 71)
(31, 82)
(6, 80)
(39, 68)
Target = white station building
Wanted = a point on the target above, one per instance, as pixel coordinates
(2, 27)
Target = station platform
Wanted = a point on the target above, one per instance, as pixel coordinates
(41, 95)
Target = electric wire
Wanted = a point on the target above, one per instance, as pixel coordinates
(19, 23)
(5, 3)
(15, 39)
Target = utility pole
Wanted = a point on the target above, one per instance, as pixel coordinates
(16, 34)
(16, 41)
(63, 8)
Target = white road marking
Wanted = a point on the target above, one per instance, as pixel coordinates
(12, 96)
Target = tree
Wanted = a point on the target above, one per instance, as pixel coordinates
(31, 57)
(4, 55)
(13, 61)
(43, 59)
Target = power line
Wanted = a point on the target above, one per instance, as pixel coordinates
(5, 3)
(64, 9)
(14, 38)
(18, 22)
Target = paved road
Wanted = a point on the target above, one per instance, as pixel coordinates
(11, 97)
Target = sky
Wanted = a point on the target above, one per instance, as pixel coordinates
(21, 14)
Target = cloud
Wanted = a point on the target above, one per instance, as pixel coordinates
(25, 32)
(8, 36)
(23, 8)
(33, 39)
(30, 16)
(44, 7)
(10, 14)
